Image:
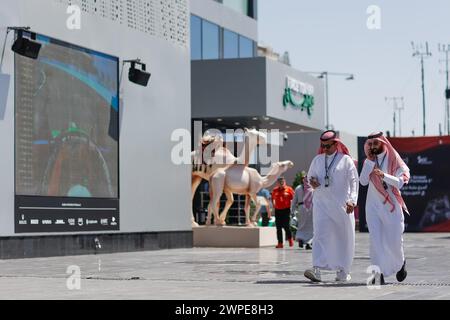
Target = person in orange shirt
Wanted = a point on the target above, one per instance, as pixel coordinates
(282, 196)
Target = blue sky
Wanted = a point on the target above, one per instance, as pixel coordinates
(333, 36)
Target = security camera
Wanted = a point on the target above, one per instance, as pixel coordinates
(285, 137)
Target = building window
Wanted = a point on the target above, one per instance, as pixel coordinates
(246, 7)
(245, 47)
(240, 6)
(230, 44)
(210, 40)
(196, 38)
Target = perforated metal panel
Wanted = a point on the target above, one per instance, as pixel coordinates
(165, 19)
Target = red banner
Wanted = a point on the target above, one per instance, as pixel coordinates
(428, 193)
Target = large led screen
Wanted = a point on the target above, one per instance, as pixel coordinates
(67, 108)
(66, 140)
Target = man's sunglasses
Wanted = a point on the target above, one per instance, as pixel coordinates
(327, 146)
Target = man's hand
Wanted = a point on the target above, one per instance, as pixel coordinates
(350, 207)
(314, 183)
(379, 173)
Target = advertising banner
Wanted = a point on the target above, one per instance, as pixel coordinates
(427, 195)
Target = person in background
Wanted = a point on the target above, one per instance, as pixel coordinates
(282, 196)
(302, 208)
(265, 211)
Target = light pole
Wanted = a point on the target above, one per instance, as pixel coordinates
(324, 75)
(398, 108)
(418, 52)
(445, 49)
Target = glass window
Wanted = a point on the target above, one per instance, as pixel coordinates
(210, 40)
(196, 38)
(245, 47)
(230, 44)
(240, 6)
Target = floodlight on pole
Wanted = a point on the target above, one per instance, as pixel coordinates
(324, 75)
(138, 76)
(23, 46)
(445, 49)
(418, 51)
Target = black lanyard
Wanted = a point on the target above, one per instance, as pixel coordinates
(379, 166)
(382, 161)
(327, 169)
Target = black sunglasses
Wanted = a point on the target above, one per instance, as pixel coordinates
(327, 146)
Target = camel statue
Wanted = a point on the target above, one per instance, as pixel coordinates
(205, 168)
(240, 179)
(219, 159)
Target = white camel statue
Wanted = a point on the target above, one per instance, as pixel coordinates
(220, 159)
(240, 179)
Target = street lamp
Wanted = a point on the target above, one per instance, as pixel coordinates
(324, 75)
(350, 77)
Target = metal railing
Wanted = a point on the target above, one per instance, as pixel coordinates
(236, 214)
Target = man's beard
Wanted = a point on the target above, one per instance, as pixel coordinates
(377, 151)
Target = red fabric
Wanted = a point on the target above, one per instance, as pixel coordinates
(418, 144)
(282, 197)
(441, 227)
(356, 213)
(395, 162)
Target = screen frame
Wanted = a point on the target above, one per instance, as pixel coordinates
(81, 48)
(93, 202)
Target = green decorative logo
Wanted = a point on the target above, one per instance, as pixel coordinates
(299, 95)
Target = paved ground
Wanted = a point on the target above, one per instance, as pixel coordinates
(214, 273)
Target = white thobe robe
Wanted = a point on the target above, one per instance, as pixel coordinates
(334, 229)
(385, 227)
(304, 216)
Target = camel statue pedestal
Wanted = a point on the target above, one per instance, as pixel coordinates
(234, 237)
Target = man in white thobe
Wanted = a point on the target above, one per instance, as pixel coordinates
(334, 177)
(386, 173)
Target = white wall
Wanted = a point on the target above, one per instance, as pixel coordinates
(154, 193)
(351, 142)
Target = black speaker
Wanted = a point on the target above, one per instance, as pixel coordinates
(26, 47)
(447, 94)
(137, 76)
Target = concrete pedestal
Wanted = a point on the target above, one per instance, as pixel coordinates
(234, 237)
